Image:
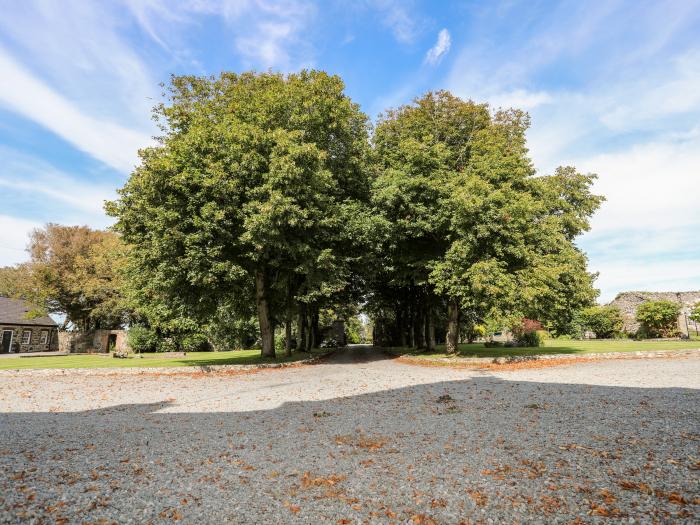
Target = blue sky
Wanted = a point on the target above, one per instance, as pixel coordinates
(612, 87)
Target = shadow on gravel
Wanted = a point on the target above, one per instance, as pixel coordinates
(438, 453)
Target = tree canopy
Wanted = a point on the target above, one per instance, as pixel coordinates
(269, 201)
(471, 223)
(74, 271)
(254, 192)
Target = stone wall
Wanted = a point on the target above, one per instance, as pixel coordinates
(628, 302)
(35, 340)
(95, 341)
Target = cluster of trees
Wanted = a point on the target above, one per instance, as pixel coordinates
(270, 201)
(475, 238)
(270, 195)
(75, 272)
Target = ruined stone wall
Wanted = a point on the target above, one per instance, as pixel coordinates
(628, 302)
(92, 341)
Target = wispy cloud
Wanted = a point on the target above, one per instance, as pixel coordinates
(440, 49)
(14, 233)
(624, 105)
(35, 192)
(40, 184)
(265, 33)
(396, 16)
(23, 93)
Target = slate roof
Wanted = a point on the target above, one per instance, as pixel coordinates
(14, 311)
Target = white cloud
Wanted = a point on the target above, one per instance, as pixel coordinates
(651, 185)
(84, 51)
(42, 184)
(111, 143)
(14, 235)
(440, 49)
(625, 106)
(519, 98)
(266, 33)
(397, 18)
(30, 185)
(653, 276)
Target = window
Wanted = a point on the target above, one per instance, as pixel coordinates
(44, 337)
(26, 337)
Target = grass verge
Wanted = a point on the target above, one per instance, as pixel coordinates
(557, 346)
(235, 357)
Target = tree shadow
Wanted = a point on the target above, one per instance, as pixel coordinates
(445, 451)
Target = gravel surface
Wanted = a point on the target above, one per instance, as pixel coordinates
(359, 438)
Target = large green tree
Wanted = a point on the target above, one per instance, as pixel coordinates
(254, 190)
(471, 223)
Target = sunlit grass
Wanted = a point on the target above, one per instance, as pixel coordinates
(236, 357)
(557, 346)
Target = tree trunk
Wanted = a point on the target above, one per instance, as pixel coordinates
(288, 334)
(411, 326)
(420, 327)
(266, 329)
(430, 330)
(309, 341)
(452, 338)
(301, 328)
(402, 327)
(315, 331)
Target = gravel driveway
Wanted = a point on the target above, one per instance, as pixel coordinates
(359, 438)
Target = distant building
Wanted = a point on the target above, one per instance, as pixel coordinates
(628, 302)
(19, 333)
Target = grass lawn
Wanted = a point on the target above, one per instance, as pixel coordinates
(236, 357)
(555, 346)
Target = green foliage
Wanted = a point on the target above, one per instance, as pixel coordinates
(695, 312)
(73, 271)
(142, 339)
(280, 342)
(353, 329)
(194, 342)
(468, 221)
(658, 318)
(605, 322)
(263, 196)
(226, 331)
(256, 184)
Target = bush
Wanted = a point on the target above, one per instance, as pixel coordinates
(142, 339)
(493, 344)
(167, 344)
(228, 332)
(659, 318)
(604, 321)
(196, 342)
(526, 333)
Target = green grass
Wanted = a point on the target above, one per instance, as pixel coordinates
(557, 346)
(236, 357)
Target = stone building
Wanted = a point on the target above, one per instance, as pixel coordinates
(20, 332)
(628, 302)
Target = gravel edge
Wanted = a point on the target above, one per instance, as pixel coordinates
(176, 370)
(652, 354)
